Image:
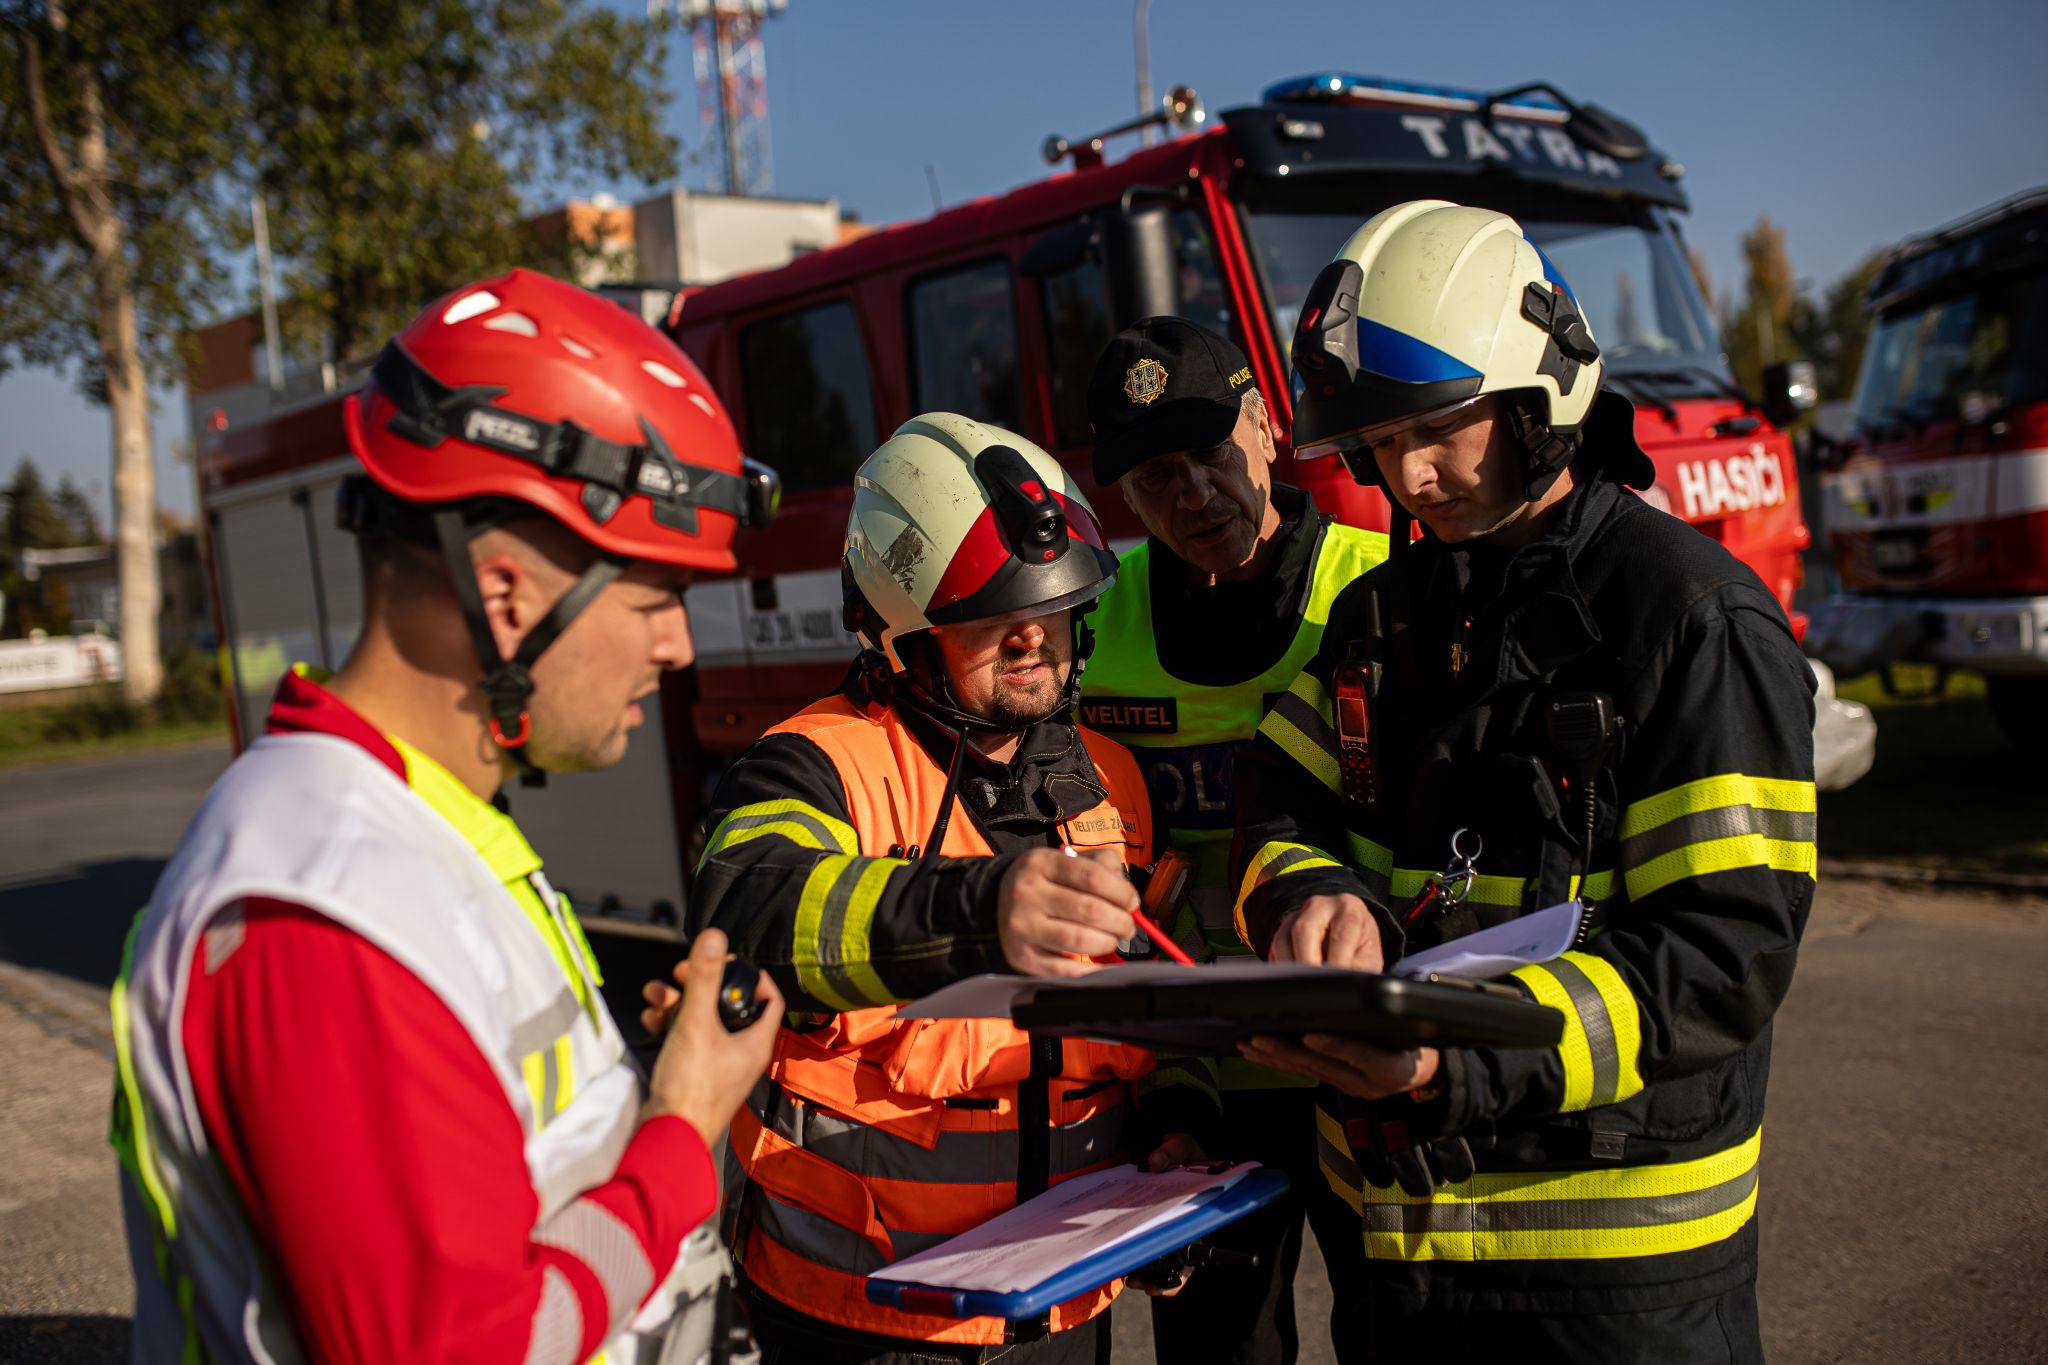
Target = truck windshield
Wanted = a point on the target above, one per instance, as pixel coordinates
(1970, 355)
(1631, 279)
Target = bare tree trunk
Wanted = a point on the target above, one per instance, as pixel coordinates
(82, 178)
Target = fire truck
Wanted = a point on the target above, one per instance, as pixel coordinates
(997, 308)
(1936, 505)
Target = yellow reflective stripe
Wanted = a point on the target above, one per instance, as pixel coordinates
(533, 1069)
(1195, 1073)
(1408, 882)
(1275, 859)
(1340, 1168)
(834, 920)
(799, 822)
(1578, 1215)
(1597, 886)
(1242, 1073)
(1711, 793)
(1601, 1051)
(565, 1074)
(1722, 855)
(1319, 761)
(130, 1140)
(856, 942)
(1718, 824)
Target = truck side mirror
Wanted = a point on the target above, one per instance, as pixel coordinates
(1143, 275)
(1790, 389)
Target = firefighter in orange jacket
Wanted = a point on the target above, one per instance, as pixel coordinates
(909, 830)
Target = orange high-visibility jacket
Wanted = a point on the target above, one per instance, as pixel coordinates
(872, 1138)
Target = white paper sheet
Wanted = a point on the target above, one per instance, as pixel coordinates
(1068, 1223)
(1540, 937)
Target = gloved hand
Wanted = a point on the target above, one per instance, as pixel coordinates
(1391, 1140)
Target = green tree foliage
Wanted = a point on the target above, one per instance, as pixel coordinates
(1833, 331)
(1759, 332)
(35, 519)
(392, 141)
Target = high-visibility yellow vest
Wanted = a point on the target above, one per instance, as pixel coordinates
(1186, 735)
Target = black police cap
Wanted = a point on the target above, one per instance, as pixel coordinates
(1163, 385)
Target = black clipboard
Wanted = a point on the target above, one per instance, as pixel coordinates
(1212, 1011)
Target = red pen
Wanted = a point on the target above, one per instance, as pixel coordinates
(1168, 886)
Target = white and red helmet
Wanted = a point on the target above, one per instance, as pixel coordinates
(955, 521)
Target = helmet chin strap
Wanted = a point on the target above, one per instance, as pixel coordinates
(935, 700)
(1549, 452)
(506, 684)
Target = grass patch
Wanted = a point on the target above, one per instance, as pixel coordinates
(98, 721)
(1947, 789)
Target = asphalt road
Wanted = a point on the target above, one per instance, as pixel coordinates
(1904, 1215)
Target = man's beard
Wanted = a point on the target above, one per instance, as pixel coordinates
(1009, 708)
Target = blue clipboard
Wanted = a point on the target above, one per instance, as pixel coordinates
(1255, 1191)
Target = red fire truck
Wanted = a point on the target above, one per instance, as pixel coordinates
(997, 308)
(1936, 506)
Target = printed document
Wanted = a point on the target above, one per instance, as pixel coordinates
(1067, 1224)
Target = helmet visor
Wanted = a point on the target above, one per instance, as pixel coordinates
(1440, 421)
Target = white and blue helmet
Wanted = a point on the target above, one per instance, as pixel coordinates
(1431, 305)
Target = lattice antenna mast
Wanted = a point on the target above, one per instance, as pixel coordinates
(732, 81)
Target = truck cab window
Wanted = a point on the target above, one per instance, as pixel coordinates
(963, 344)
(810, 411)
(1078, 322)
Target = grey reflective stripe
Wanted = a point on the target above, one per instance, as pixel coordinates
(1088, 1142)
(1286, 860)
(557, 1334)
(956, 1158)
(832, 932)
(594, 1235)
(963, 1158)
(1728, 822)
(1308, 720)
(910, 1243)
(550, 1085)
(828, 838)
(1594, 1019)
(1557, 1215)
(1199, 1072)
(531, 1035)
(815, 1237)
(1214, 910)
(1338, 1161)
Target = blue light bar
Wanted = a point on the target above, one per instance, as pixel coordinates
(1325, 86)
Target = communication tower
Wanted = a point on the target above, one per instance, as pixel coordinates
(732, 81)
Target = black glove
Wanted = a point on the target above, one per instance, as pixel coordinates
(1397, 1148)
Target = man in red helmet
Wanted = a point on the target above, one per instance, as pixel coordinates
(372, 1106)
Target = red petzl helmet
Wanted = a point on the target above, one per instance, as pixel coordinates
(529, 388)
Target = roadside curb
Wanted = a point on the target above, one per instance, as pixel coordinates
(69, 1010)
(2009, 883)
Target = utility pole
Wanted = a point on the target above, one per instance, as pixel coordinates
(273, 353)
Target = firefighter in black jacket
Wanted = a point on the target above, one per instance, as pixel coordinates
(1556, 691)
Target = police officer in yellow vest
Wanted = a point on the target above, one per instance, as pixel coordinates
(1210, 619)
(940, 815)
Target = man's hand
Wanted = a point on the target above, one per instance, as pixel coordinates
(1335, 931)
(1175, 1149)
(1360, 1069)
(703, 1074)
(1055, 910)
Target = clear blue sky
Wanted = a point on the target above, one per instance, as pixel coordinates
(1852, 124)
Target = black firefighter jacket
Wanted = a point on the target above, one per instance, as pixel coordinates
(1617, 1171)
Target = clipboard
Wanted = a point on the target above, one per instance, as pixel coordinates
(1255, 1191)
(1209, 1012)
